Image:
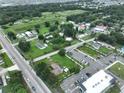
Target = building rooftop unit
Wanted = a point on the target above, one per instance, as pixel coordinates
(98, 82)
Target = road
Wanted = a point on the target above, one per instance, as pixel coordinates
(69, 48)
(35, 83)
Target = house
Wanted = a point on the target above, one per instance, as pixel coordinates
(61, 34)
(99, 29)
(97, 83)
(29, 34)
(68, 38)
(81, 27)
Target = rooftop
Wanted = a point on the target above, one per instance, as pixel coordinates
(98, 82)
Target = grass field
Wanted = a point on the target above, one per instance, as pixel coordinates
(36, 52)
(47, 16)
(104, 50)
(118, 70)
(89, 51)
(7, 61)
(62, 61)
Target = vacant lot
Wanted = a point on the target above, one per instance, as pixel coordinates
(63, 61)
(104, 50)
(118, 70)
(89, 51)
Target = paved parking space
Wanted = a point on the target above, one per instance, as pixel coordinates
(80, 57)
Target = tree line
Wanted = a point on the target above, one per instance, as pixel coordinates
(14, 13)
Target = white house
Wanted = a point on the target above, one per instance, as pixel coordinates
(100, 29)
(29, 34)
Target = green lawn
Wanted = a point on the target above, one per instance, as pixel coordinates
(89, 51)
(7, 61)
(118, 70)
(36, 52)
(104, 50)
(87, 37)
(62, 61)
(114, 89)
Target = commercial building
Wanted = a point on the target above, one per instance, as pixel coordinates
(97, 83)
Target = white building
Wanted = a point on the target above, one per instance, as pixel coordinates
(97, 83)
(100, 29)
(29, 34)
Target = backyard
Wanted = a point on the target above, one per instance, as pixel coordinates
(118, 70)
(35, 51)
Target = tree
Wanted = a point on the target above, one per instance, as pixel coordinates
(56, 23)
(40, 37)
(11, 35)
(47, 24)
(24, 45)
(75, 70)
(53, 28)
(69, 30)
(37, 26)
(62, 52)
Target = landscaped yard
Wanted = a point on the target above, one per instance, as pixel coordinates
(7, 61)
(118, 70)
(89, 51)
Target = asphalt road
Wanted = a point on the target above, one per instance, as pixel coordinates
(35, 83)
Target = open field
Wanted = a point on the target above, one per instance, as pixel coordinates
(46, 16)
(6, 60)
(118, 70)
(63, 61)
